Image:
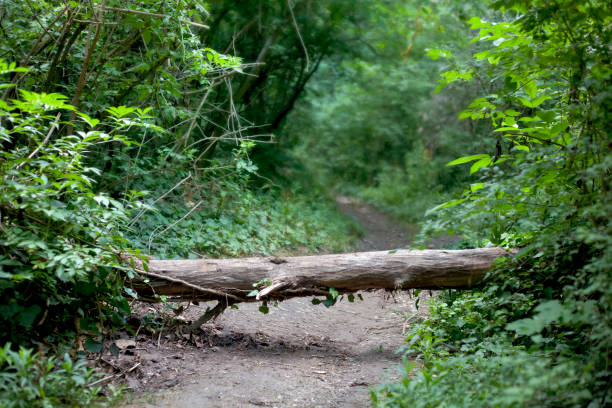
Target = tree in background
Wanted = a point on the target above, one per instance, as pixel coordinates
(370, 124)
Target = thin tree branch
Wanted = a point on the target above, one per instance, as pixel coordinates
(84, 69)
(54, 126)
(297, 31)
(154, 15)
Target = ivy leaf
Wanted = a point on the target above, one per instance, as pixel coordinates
(28, 315)
(92, 346)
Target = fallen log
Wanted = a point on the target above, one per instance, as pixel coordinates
(232, 281)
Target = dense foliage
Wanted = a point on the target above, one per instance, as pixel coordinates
(56, 265)
(161, 163)
(33, 380)
(189, 129)
(538, 334)
(79, 188)
(370, 126)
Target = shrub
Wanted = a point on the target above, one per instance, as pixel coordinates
(31, 380)
(57, 234)
(545, 317)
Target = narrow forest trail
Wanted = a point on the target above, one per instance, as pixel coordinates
(298, 355)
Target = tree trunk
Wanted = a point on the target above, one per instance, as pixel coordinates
(231, 280)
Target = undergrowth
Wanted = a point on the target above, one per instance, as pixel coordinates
(538, 332)
(235, 221)
(64, 222)
(408, 191)
(33, 380)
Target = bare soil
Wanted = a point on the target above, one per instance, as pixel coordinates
(298, 355)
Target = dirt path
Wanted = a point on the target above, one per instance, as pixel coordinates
(299, 355)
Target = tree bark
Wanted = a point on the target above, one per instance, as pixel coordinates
(231, 280)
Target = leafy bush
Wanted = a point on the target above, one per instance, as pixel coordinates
(547, 314)
(507, 377)
(469, 358)
(29, 380)
(56, 265)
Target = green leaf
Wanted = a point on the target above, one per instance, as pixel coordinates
(333, 292)
(479, 164)
(467, 159)
(92, 346)
(46, 101)
(477, 23)
(547, 313)
(102, 200)
(120, 111)
(90, 121)
(7, 68)
(329, 302)
(131, 292)
(538, 101)
(476, 186)
(521, 147)
(28, 315)
(435, 53)
(114, 349)
(533, 103)
(559, 127)
(530, 88)
(526, 102)
(446, 205)
(483, 54)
